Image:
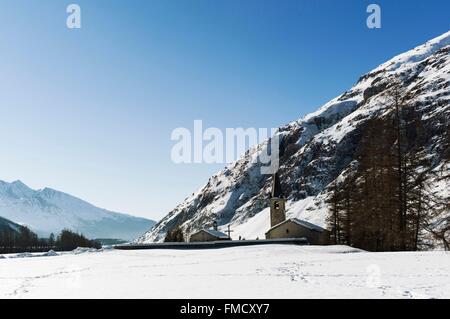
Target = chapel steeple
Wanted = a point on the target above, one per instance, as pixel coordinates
(277, 202)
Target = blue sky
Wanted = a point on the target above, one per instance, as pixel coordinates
(90, 111)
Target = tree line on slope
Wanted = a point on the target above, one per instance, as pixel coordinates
(24, 240)
(387, 202)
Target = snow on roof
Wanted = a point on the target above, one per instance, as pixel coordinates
(215, 233)
(306, 224)
(302, 223)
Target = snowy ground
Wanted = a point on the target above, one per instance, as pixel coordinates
(272, 271)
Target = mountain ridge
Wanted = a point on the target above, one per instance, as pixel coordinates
(318, 148)
(48, 211)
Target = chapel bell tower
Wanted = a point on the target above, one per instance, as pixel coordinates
(277, 202)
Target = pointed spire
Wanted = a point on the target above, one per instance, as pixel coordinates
(276, 186)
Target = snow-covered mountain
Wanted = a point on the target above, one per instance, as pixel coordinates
(318, 148)
(47, 210)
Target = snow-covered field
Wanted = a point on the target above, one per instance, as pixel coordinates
(271, 271)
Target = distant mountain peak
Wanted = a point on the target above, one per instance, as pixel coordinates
(49, 211)
(18, 183)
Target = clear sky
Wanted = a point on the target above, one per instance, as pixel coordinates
(90, 111)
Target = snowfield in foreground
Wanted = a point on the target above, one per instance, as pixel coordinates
(271, 271)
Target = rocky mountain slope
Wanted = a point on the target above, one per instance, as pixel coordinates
(318, 148)
(47, 210)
